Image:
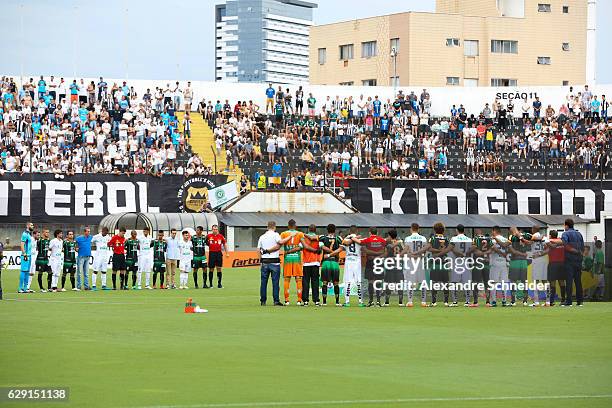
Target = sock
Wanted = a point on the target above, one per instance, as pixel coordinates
(553, 292)
(401, 297)
(536, 295)
(22, 277)
(548, 291)
(493, 295)
(49, 280)
(114, 280)
(377, 295)
(121, 278)
(298, 283)
(446, 296)
(30, 279)
(94, 279)
(454, 296)
(337, 292)
(410, 295)
(195, 278)
(347, 292)
(324, 292)
(72, 283)
(155, 278)
(371, 291)
(210, 277)
(204, 279)
(134, 278)
(103, 279)
(161, 279)
(387, 295)
(139, 278)
(434, 294)
(467, 296)
(219, 277)
(562, 289)
(423, 295)
(40, 285)
(286, 283)
(63, 280)
(359, 292)
(475, 293)
(54, 280)
(147, 278)
(512, 296)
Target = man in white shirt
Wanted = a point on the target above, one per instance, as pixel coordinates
(269, 245)
(460, 253)
(352, 266)
(498, 264)
(172, 258)
(101, 257)
(145, 257)
(415, 246)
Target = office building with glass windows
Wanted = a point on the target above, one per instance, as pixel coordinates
(263, 41)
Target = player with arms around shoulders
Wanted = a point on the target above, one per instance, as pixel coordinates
(461, 250)
(101, 257)
(292, 263)
(185, 259)
(393, 274)
(352, 265)
(519, 246)
(498, 258)
(373, 247)
(539, 263)
(312, 262)
(481, 249)
(438, 248)
(145, 258)
(330, 268)
(415, 246)
(56, 249)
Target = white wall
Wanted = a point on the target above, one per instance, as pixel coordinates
(473, 99)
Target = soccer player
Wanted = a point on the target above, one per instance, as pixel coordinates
(330, 268)
(499, 264)
(216, 248)
(69, 247)
(42, 260)
(159, 259)
(518, 247)
(33, 258)
(539, 263)
(415, 246)
(461, 249)
(185, 259)
(352, 266)
(131, 260)
(101, 257)
(438, 248)
(117, 243)
(373, 247)
(394, 274)
(481, 249)
(56, 262)
(26, 253)
(292, 263)
(312, 261)
(145, 258)
(198, 242)
(556, 267)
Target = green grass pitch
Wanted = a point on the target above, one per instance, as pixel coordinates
(138, 349)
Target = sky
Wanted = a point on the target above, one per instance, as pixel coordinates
(144, 39)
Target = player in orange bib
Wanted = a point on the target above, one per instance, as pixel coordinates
(292, 265)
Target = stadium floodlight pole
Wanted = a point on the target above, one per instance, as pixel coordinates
(31, 176)
(21, 51)
(395, 81)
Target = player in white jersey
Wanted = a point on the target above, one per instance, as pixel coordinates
(185, 257)
(33, 256)
(539, 264)
(101, 257)
(461, 271)
(352, 265)
(56, 247)
(145, 258)
(498, 259)
(414, 270)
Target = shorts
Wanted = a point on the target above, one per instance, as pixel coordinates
(556, 271)
(518, 270)
(69, 268)
(370, 273)
(184, 265)
(346, 167)
(56, 267)
(119, 262)
(438, 275)
(145, 263)
(159, 267)
(131, 266)
(481, 274)
(352, 272)
(215, 259)
(333, 126)
(498, 272)
(330, 271)
(198, 263)
(539, 268)
(461, 276)
(100, 263)
(393, 275)
(43, 267)
(25, 266)
(291, 269)
(416, 274)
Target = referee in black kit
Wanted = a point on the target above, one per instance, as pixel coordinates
(573, 244)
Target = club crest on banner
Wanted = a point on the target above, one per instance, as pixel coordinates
(193, 194)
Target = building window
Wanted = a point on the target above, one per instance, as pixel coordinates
(470, 82)
(452, 80)
(452, 42)
(544, 7)
(394, 81)
(565, 46)
(565, 9)
(543, 60)
(368, 49)
(395, 45)
(368, 82)
(346, 52)
(565, 83)
(504, 46)
(322, 56)
(470, 48)
(350, 83)
(503, 82)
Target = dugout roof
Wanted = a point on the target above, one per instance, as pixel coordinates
(378, 220)
(159, 221)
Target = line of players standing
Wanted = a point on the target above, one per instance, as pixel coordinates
(140, 255)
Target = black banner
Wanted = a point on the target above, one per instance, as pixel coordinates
(88, 198)
(583, 198)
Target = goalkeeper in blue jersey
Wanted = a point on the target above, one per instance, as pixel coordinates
(26, 253)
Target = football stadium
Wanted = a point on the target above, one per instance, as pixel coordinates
(394, 204)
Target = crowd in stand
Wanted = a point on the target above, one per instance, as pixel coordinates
(52, 126)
